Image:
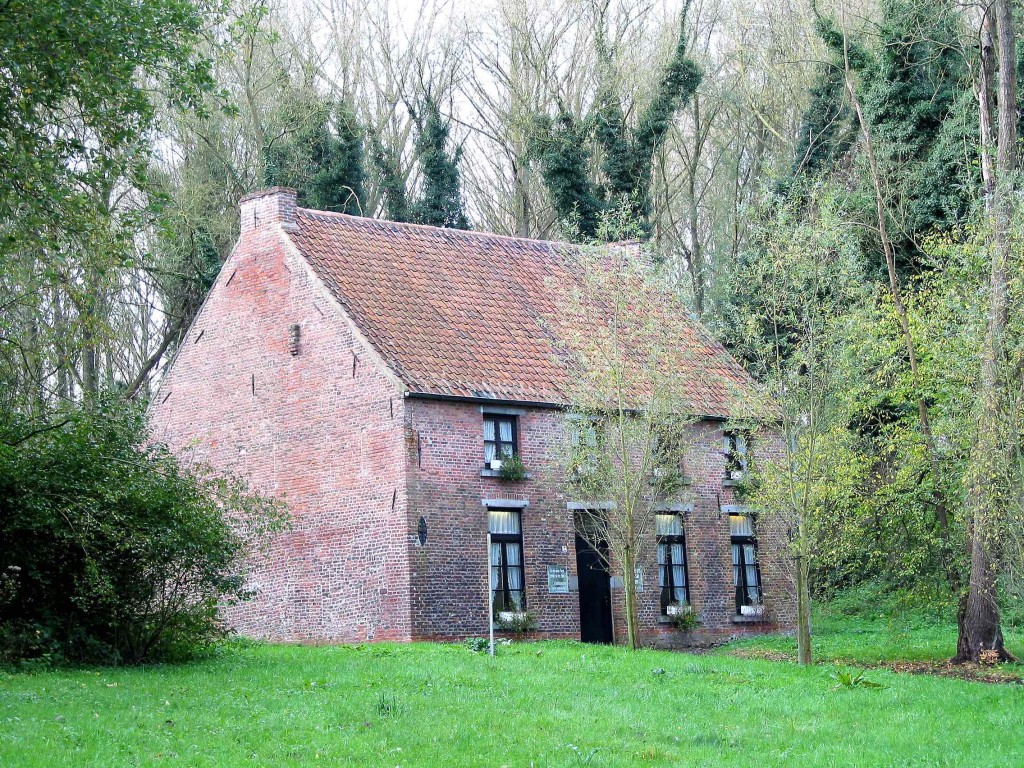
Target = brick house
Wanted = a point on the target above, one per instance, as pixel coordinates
(369, 372)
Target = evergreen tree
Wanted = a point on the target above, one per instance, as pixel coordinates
(828, 127)
(389, 181)
(323, 161)
(562, 149)
(559, 146)
(440, 203)
(918, 100)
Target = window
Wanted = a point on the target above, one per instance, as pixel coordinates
(500, 438)
(736, 444)
(506, 559)
(746, 576)
(671, 560)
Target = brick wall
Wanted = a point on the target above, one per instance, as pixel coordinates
(449, 579)
(449, 575)
(321, 429)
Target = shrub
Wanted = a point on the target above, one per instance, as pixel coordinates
(512, 469)
(685, 619)
(111, 550)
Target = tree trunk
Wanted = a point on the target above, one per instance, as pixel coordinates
(803, 612)
(978, 620)
(629, 593)
(978, 626)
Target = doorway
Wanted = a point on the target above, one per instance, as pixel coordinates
(595, 593)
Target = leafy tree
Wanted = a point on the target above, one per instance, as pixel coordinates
(112, 550)
(915, 91)
(624, 338)
(77, 115)
(76, 103)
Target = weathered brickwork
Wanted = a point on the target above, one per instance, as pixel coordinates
(449, 572)
(276, 384)
(321, 429)
(450, 581)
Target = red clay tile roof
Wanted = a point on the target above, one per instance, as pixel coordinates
(466, 313)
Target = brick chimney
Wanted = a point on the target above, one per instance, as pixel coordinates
(267, 208)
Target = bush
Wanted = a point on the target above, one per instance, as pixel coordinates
(112, 551)
(512, 469)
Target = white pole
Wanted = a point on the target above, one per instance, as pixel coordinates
(490, 594)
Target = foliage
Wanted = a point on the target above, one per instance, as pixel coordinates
(389, 181)
(440, 201)
(561, 149)
(545, 695)
(477, 644)
(516, 621)
(918, 97)
(323, 161)
(626, 342)
(78, 99)
(119, 552)
(512, 468)
(685, 619)
(846, 678)
(76, 104)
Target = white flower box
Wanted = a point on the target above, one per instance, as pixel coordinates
(496, 465)
(751, 610)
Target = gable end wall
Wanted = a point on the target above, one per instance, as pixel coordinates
(321, 429)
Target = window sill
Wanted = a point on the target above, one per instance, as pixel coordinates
(497, 473)
(741, 619)
(731, 482)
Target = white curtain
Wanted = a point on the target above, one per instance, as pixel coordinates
(750, 560)
(505, 434)
(741, 525)
(668, 525)
(495, 566)
(503, 521)
(675, 552)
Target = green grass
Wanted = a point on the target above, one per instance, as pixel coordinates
(547, 704)
(874, 640)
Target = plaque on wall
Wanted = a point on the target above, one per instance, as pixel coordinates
(558, 580)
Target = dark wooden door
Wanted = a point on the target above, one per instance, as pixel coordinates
(595, 594)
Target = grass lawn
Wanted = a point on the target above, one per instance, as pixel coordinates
(545, 704)
(886, 637)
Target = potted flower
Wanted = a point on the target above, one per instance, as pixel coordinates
(511, 468)
(511, 617)
(682, 616)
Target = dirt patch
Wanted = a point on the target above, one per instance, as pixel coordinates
(979, 673)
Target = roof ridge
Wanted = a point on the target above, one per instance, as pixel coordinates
(429, 227)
